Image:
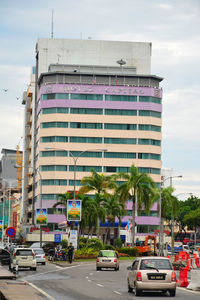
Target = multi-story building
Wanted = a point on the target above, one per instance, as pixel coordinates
(88, 100)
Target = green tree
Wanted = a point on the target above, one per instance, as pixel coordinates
(138, 187)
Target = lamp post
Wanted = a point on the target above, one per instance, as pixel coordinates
(3, 208)
(161, 246)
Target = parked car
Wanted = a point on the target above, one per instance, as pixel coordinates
(151, 273)
(5, 257)
(107, 259)
(24, 258)
(40, 255)
(45, 246)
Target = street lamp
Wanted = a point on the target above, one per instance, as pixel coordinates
(75, 158)
(161, 227)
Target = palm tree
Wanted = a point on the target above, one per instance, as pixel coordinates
(138, 187)
(100, 184)
(114, 208)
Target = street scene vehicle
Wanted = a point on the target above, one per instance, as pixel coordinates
(23, 258)
(151, 274)
(40, 255)
(107, 259)
(5, 257)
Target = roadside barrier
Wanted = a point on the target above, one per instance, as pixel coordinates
(195, 281)
(182, 282)
(197, 262)
(188, 265)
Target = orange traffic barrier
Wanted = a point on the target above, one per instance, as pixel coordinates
(182, 282)
(188, 265)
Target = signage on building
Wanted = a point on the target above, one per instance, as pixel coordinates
(10, 232)
(73, 238)
(14, 220)
(57, 238)
(32, 229)
(63, 225)
(74, 210)
(1, 225)
(41, 216)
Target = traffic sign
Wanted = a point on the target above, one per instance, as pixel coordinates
(10, 232)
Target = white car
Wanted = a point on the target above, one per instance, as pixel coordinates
(40, 255)
(24, 258)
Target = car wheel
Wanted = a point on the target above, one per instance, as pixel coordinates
(130, 289)
(98, 269)
(172, 293)
(43, 263)
(34, 269)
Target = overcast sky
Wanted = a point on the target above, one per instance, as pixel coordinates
(171, 25)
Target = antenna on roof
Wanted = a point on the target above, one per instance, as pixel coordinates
(52, 25)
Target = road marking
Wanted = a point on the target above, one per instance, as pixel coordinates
(91, 273)
(116, 292)
(86, 277)
(89, 280)
(59, 267)
(99, 284)
(41, 291)
(186, 290)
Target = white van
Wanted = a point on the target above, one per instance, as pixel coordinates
(24, 258)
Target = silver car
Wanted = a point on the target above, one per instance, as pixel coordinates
(40, 255)
(107, 259)
(151, 274)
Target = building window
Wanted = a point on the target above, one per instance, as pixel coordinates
(149, 113)
(86, 125)
(85, 168)
(87, 153)
(53, 153)
(120, 126)
(121, 112)
(78, 182)
(54, 182)
(116, 169)
(81, 139)
(55, 110)
(149, 127)
(143, 155)
(53, 168)
(86, 97)
(52, 139)
(87, 111)
(54, 125)
(120, 98)
(119, 155)
(149, 99)
(155, 156)
(119, 141)
(55, 96)
(149, 142)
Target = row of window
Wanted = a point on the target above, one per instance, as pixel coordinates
(99, 111)
(111, 126)
(99, 140)
(100, 97)
(64, 168)
(152, 213)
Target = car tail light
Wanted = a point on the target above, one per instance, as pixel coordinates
(43, 256)
(15, 254)
(115, 260)
(97, 259)
(33, 254)
(139, 276)
(173, 276)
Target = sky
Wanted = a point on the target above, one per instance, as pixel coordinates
(172, 26)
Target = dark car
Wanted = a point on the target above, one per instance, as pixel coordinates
(5, 257)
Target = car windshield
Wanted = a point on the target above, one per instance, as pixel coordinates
(38, 251)
(107, 254)
(24, 252)
(158, 264)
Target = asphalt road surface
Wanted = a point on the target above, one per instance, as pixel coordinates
(83, 282)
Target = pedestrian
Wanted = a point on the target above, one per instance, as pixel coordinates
(70, 252)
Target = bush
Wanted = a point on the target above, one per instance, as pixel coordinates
(128, 251)
(95, 243)
(64, 244)
(118, 242)
(108, 247)
(86, 253)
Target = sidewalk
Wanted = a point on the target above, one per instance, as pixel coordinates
(13, 290)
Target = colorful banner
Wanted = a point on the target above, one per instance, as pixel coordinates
(1, 225)
(41, 216)
(74, 210)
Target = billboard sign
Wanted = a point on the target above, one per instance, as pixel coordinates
(41, 216)
(1, 225)
(74, 210)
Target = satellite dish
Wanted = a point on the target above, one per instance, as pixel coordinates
(121, 62)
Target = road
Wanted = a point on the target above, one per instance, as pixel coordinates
(84, 282)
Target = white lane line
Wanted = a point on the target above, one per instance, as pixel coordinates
(86, 277)
(41, 291)
(116, 292)
(91, 274)
(89, 280)
(59, 267)
(99, 284)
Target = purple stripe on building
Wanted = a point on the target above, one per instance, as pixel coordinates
(100, 89)
(144, 220)
(101, 104)
(130, 205)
